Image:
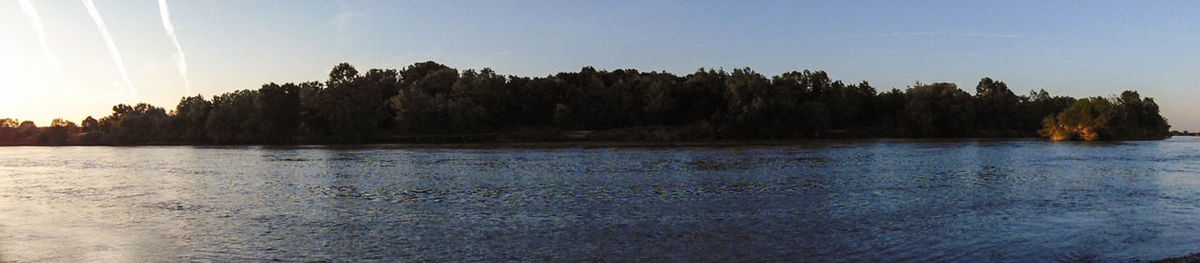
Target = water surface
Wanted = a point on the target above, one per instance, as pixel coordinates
(878, 200)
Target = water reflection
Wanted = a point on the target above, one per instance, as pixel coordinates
(1023, 200)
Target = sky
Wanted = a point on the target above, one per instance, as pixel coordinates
(1077, 48)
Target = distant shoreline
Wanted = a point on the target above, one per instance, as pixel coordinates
(560, 144)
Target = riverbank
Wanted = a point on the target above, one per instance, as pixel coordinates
(646, 136)
(462, 144)
(665, 136)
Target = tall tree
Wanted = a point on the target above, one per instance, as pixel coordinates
(997, 104)
(351, 109)
(231, 118)
(136, 124)
(939, 110)
(89, 124)
(388, 83)
(188, 118)
(278, 112)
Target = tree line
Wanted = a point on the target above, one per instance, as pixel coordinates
(431, 102)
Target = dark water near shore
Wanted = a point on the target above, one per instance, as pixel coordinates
(1020, 201)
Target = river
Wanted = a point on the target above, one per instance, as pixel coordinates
(821, 201)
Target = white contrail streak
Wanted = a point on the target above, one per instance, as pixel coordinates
(181, 61)
(112, 48)
(35, 19)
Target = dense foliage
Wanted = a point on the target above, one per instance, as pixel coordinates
(430, 102)
(1126, 117)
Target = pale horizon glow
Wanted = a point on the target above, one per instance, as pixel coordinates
(112, 47)
(181, 60)
(1073, 49)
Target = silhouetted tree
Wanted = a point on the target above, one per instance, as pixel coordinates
(89, 124)
(68, 125)
(388, 83)
(277, 110)
(27, 127)
(596, 100)
(662, 97)
(749, 110)
(188, 119)
(939, 110)
(473, 99)
(136, 124)
(231, 118)
(8, 131)
(58, 133)
(531, 102)
(312, 125)
(888, 114)
(703, 95)
(996, 106)
(428, 99)
(421, 105)
(1039, 105)
(351, 109)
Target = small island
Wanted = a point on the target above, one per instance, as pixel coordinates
(429, 102)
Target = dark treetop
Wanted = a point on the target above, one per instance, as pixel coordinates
(430, 102)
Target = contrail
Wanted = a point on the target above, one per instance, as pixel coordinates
(35, 19)
(112, 48)
(181, 61)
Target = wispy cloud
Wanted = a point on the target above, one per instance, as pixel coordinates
(933, 34)
(32, 14)
(992, 35)
(180, 58)
(112, 48)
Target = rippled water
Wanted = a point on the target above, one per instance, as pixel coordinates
(1024, 200)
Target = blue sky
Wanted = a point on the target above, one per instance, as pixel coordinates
(1072, 48)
